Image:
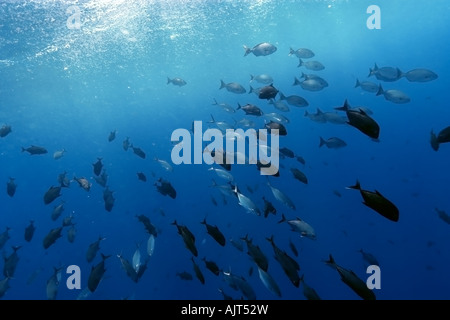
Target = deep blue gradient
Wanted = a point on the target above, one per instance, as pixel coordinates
(69, 88)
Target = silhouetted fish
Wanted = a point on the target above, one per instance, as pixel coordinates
(378, 202)
(51, 194)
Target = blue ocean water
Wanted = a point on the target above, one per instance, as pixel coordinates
(67, 86)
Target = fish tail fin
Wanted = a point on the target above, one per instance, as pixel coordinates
(247, 50)
(371, 72)
(357, 83)
(291, 52)
(357, 186)
(23, 149)
(168, 80)
(300, 63)
(251, 77)
(380, 90)
(330, 260)
(296, 81)
(283, 218)
(239, 105)
(204, 221)
(322, 142)
(345, 106)
(174, 223)
(282, 96)
(270, 239)
(104, 257)
(222, 84)
(245, 238)
(215, 102)
(306, 113)
(251, 90)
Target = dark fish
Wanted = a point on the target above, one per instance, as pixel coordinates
(293, 248)
(176, 81)
(53, 283)
(444, 135)
(198, 272)
(188, 238)
(57, 211)
(221, 158)
(225, 296)
(92, 249)
(444, 216)
(97, 273)
(213, 200)
(238, 244)
(98, 166)
(108, 199)
(51, 194)
(67, 221)
(433, 141)
(165, 188)
(141, 176)
(369, 258)
(138, 151)
(214, 232)
(11, 187)
(256, 254)
(102, 179)
(300, 159)
(5, 130)
(35, 150)
(212, 266)
(112, 135)
(4, 236)
(276, 126)
(83, 182)
(268, 208)
(184, 275)
(268, 92)
(239, 283)
(300, 176)
(361, 121)
(266, 167)
(126, 144)
(51, 237)
(63, 180)
(149, 227)
(4, 286)
(29, 231)
(289, 265)
(332, 143)
(71, 233)
(309, 292)
(352, 280)
(378, 202)
(261, 49)
(250, 109)
(11, 262)
(287, 152)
